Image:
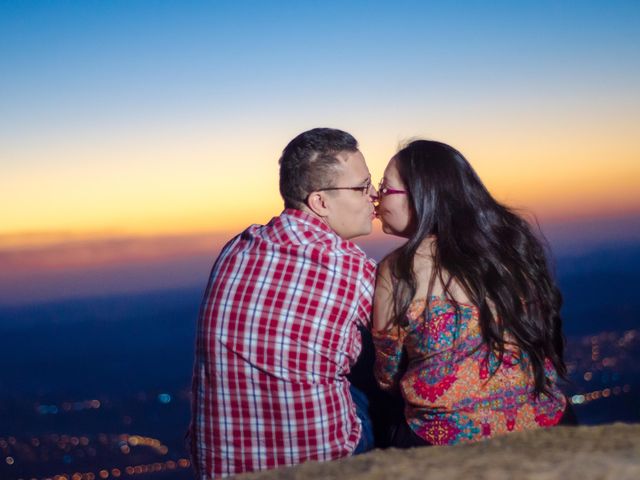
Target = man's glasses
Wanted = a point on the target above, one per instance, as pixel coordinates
(363, 189)
(384, 190)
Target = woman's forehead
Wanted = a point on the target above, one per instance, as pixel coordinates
(392, 169)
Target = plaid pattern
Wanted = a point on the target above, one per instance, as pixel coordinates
(276, 336)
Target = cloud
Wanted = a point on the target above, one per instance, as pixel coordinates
(77, 252)
(80, 267)
(52, 267)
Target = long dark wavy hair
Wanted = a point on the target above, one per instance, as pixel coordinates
(486, 248)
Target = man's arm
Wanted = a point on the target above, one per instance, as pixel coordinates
(366, 284)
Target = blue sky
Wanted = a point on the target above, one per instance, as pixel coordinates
(96, 67)
(164, 120)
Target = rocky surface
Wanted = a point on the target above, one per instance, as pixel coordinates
(602, 452)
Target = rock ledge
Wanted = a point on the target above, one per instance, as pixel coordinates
(563, 453)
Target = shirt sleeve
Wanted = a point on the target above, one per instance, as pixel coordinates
(365, 293)
(388, 345)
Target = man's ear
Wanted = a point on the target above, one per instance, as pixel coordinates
(317, 204)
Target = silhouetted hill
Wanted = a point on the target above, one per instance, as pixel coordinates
(97, 345)
(600, 289)
(111, 343)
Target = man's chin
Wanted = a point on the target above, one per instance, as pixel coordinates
(366, 231)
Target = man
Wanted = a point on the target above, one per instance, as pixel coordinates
(278, 327)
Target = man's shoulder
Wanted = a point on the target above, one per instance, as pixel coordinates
(297, 233)
(311, 231)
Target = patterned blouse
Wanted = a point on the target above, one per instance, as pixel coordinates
(450, 395)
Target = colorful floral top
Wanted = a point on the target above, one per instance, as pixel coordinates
(450, 395)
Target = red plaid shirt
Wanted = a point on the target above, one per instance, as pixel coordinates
(276, 336)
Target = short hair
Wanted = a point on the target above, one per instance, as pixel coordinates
(309, 163)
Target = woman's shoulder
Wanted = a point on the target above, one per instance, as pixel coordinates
(384, 275)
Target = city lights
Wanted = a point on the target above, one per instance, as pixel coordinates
(601, 370)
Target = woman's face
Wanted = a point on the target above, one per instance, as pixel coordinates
(393, 209)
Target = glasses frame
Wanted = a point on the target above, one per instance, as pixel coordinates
(364, 189)
(384, 191)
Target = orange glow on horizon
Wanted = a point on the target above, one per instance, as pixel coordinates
(190, 184)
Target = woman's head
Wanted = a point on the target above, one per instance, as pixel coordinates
(429, 189)
(394, 208)
(441, 191)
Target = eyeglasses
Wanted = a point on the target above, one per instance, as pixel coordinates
(383, 191)
(364, 189)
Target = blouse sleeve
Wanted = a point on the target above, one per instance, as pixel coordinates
(388, 344)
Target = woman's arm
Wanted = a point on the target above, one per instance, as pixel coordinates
(383, 299)
(387, 338)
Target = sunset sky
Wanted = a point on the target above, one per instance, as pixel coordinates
(135, 130)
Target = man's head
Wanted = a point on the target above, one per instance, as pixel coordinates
(323, 172)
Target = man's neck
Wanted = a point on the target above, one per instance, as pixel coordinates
(313, 214)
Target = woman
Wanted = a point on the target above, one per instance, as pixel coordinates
(466, 314)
